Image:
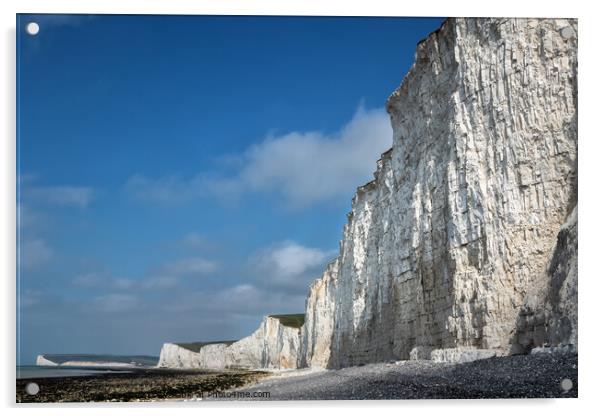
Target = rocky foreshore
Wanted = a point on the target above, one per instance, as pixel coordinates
(136, 385)
(521, 376)
(539, 375)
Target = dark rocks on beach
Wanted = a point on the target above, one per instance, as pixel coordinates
(139, 385)
(525, 376)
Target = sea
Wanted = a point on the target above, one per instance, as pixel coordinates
(95, 364)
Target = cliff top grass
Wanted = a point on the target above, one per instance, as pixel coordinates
(294, 320)
(196, 346)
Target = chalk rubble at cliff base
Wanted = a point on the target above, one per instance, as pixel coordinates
(464, 246)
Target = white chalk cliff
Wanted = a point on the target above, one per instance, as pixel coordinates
(464, 245)
(273, 345)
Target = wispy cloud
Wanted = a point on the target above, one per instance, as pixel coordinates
(95, 280)
(26, 216)
(88, 280)
(196, 241)
(30, 298)
(99, 281)
(34, 219)
(78, 196)
(34, 253)
(235, 301)
(302, 168)
(193, 266)
(122, 283)
(169, 189)
(161, 283)
(63, 195)
(116, 302)
(168, 275)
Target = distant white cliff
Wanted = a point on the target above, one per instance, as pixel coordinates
(43, 361)
(464, 246)
(273, 345)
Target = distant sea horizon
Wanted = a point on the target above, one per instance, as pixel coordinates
(99, 364)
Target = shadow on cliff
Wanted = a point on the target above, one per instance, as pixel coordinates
(541, 321)
(550, 318)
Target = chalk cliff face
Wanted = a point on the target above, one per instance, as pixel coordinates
(175, 356)
(549, 314)
(464, 246)
(463, 217)
(316, 333)
(272, 346)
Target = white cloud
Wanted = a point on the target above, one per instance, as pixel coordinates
(116, 302)
(29, 298)
(96, 280)
(25, 178)
(79, 196)
(190, 266)
(122, 283)
(160, 283)
(26, 216)
(88, 280)
(243, 300)
(101, 282)
(196, 241)
(169, 189)
(34, 253)
(306, 168)
(63, 195)
(290, 259)
(289, 264)
(167, 276)
(303, 168)
(239, 298)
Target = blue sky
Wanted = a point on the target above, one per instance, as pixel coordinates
(182, 176)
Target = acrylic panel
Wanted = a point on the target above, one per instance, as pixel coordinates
(295, 208)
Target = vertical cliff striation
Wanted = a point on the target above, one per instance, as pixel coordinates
(464, 245)
(549, 315)
(273, 345)
(462, 220)
(316, 333)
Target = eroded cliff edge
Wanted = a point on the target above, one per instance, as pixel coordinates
(465, 243)
(273, 345)
(462, 219)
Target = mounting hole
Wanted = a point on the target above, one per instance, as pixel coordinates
(32, 28)
(566, 384)
(32, 389)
